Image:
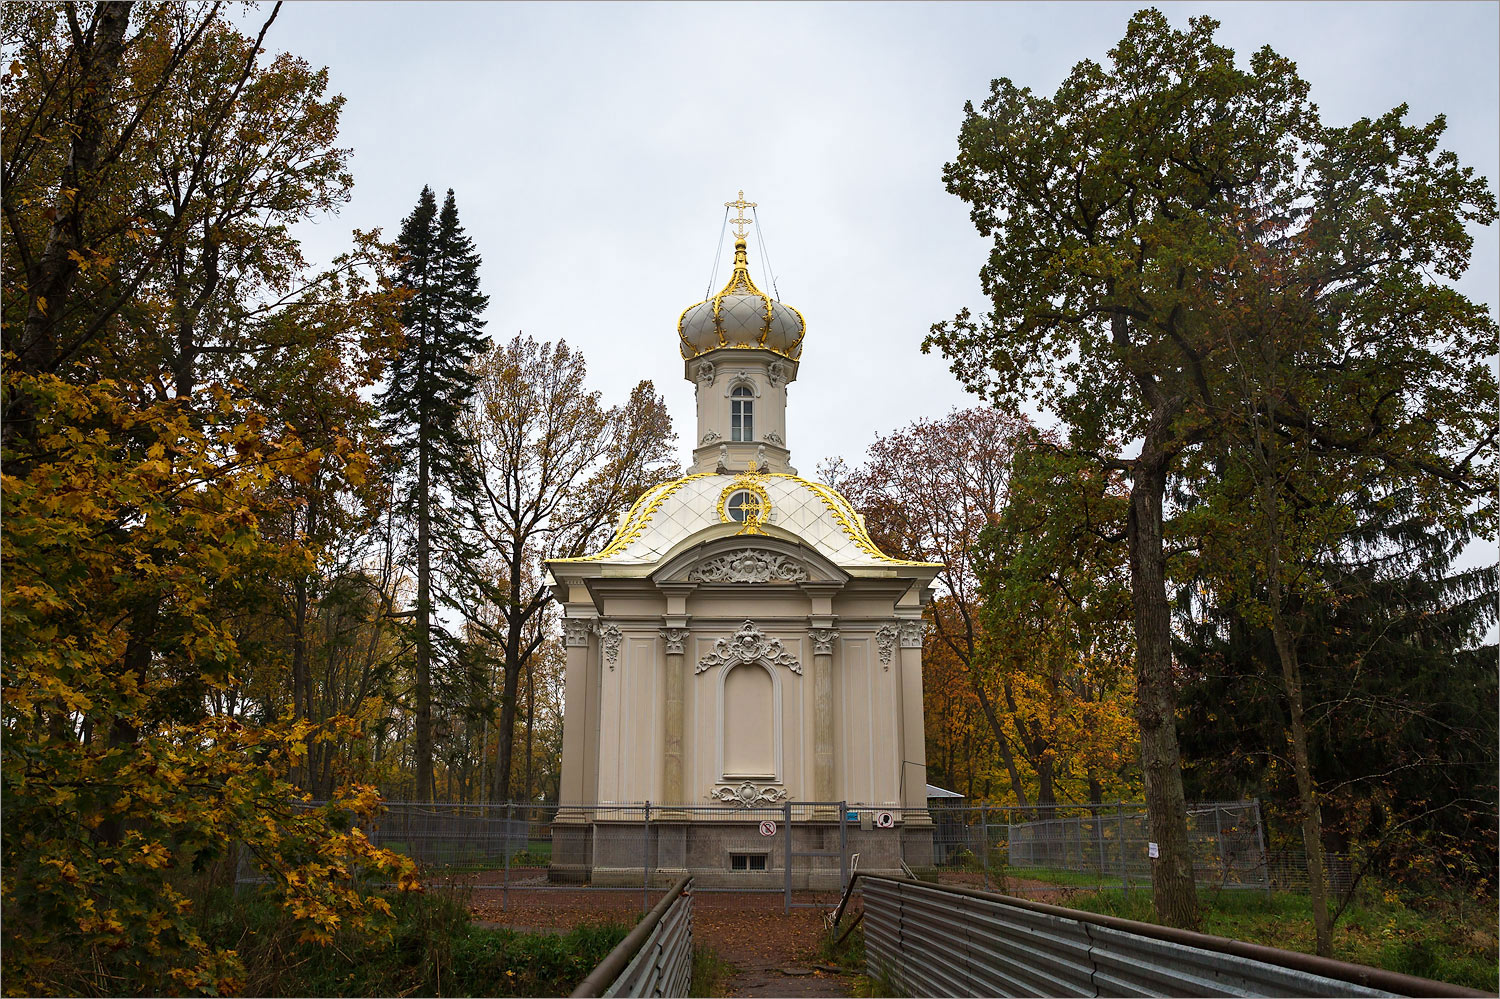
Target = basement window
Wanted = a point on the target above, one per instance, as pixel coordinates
(747, 861)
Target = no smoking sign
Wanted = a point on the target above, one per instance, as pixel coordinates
(768, 828)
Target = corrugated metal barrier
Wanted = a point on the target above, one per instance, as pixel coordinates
(928, 940)
(656, 959)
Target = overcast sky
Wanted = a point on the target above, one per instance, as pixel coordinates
(591, 148)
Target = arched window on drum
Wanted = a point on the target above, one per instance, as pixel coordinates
(741, 414)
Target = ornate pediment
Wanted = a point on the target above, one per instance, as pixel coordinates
(740, 560)
(749, 565)
(749, 645)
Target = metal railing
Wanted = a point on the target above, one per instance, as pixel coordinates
(928, 939)
(656, 958)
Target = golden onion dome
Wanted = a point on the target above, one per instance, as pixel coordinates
(741, 315)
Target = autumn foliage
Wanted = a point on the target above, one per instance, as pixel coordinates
(116, 782)
(183, 424)
(1026, 677)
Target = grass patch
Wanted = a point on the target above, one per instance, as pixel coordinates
(1070, 879)
(537, 853)
(850, 955)
(1439, 941)
(434, 951)
(710, 972)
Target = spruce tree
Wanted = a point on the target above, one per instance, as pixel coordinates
(1400, 680)
(430, 385)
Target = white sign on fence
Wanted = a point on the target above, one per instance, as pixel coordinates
(1152, 851)
(768, 828)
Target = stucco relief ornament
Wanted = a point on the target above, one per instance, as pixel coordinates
(674, 637)
(912, 633)
(777, 373)
(748, 794)
(772, 437)
(710, 437)
(575, 632)
(609, 637)
(823, 639)
(748, 566)
(885, 640)
(749, 645)
(705, 373)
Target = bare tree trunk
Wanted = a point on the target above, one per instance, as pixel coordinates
(1312, 812)
(1291, 680)
(1046, 790)
(1173, 891)
(423, 698)
(51, 280)
(530, 718)
(1006, 756)
(507, 733)
(300, 708)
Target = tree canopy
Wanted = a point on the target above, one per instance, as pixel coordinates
(1126, 211)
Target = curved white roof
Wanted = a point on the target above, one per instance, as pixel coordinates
(670, 513)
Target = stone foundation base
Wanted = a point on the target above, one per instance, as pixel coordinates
(725, 853)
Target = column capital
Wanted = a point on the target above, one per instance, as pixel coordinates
(912, 633)
(823, 639)
(576, 631)
(674, 637)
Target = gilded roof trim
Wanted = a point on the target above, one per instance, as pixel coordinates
(847, 518)
(637, 518)
(645, 508)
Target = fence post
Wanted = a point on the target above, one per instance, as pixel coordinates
(1099, 838)
(1219, 842)
(646, 860)
(984, 843)
(844, 844)
(1124, 870)
(786, 827)
(1260, 841)
(505, 845)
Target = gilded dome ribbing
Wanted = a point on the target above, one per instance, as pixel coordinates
(741, 315)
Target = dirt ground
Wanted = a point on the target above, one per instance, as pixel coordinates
(773, 950)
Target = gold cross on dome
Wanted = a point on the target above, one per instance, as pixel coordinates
(740, 222)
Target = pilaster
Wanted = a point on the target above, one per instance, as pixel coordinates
(823, 637)
(674, 639)
(913, 738)
(578, 707)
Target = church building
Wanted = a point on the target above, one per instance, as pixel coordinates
(740, 642)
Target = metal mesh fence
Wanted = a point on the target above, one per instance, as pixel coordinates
(801, 847)
(1042, 848)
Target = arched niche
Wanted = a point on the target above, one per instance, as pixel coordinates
(749, 729)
